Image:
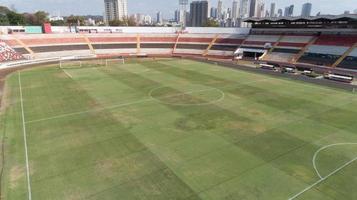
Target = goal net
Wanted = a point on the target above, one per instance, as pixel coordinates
(70, 64)
(74, 64)
(114, 62)
(93, 63)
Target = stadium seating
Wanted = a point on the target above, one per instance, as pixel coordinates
(322, 54)
(321, 50)
(279, 57)
(7, 53)
(53, 45)
(350, 62)
(336, 40)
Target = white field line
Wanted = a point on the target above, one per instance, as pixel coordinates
(68, 74)
(107, 108)
(323, 148)
(130, 103)
(25, 141)
(189, 92)
(322, 179)
(89, 111)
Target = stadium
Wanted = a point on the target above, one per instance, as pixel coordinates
(267, 112)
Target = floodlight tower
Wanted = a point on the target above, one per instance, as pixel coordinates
(183, 11)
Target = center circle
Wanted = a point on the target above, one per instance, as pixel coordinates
(188, 95)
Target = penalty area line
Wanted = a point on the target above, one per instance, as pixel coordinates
(322, 179)
(89, 111)
(25, 140)
(68, 74)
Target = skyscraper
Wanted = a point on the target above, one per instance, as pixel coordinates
(260, 9)
(183, 12)
(272, 10)
(177, 16)
(159, 18)
(252, 7)
(219, 9)
(244, 8)
(235, 9)
(214, 13)
(255, 7)
(280, 12)
(306, 10)
(289, 11)
(198, 13)
(115, 10)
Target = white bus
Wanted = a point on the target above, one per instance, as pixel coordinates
(267, 66)
(341, 78)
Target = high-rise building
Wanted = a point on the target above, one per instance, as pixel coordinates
(267, 14)
(214, 13)
(306, 10)
(147, 20)
(183, 12)
(198, 13)
(115, 10)
(219, 9)
(272, 10)
(260, 9)
(235, 9)
(280, 12)
(159, 18)
(289, 11)
(255, 7)
(177, 16)
(252, 7)
(229, 13)
(244, 8)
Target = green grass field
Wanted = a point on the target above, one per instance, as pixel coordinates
(175, 129)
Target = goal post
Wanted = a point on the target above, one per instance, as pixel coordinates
(93, 63)
(69, 64)
(74, 64)
(113, 62)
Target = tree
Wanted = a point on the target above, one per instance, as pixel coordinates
(211, 23)
(41, 17)
(36, 19)
(132, 21)
(4, 21)
(75, 20)
(4, 10)
(30, 19)
(15, 18)
(125, 22)
(117, 23)
(58, 23)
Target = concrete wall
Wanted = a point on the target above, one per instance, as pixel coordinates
(142, 30)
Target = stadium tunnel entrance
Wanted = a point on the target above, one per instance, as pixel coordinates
(249, 53)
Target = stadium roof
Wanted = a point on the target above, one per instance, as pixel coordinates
(348, 17)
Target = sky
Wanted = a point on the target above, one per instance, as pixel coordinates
(167, 7)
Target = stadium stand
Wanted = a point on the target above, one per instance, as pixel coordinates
(302, 46)
(350, 62)
(47, 45)
(328, 49)
(323, 54)
(7, 53)
(336, 40)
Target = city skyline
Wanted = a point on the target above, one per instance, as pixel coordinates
(96, 7)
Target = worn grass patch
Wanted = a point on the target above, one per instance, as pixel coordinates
(174, 129)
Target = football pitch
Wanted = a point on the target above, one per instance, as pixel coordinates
(174, 129)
